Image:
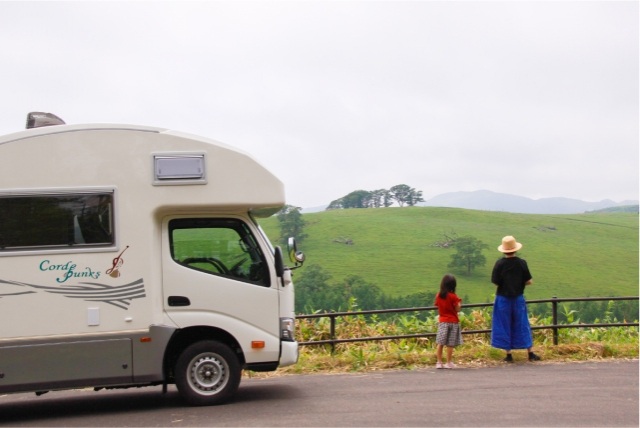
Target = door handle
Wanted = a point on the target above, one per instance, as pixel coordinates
(178, 301)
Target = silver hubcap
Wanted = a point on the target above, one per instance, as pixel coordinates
(208, 374)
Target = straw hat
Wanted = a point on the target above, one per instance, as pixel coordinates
(509, 245)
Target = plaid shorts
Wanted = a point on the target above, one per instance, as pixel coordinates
(449, 334)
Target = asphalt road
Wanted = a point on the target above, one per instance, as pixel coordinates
(591, 394)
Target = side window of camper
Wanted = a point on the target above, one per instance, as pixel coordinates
(56, 221)
(224, 247)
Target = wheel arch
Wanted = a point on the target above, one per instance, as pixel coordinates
(185, 337)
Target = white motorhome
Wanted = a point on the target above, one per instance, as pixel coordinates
(131, 256)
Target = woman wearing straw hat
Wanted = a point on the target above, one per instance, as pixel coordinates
(510, 327)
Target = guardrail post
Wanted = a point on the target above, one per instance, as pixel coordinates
(333, 333)
(554, 305)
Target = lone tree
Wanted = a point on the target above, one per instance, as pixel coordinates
(291, 224)
(468, 254)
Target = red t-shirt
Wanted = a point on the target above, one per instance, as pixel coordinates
(447, 307)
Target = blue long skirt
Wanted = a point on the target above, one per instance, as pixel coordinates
(510, 328)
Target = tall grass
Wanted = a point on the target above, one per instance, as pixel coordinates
(575, 344)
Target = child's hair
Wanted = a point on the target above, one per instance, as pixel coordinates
(447, 285)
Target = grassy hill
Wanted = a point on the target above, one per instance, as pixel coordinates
(577, 255)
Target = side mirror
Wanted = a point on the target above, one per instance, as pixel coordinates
(295, 256)
(279, 262)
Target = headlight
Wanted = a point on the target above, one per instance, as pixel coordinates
(287, 329)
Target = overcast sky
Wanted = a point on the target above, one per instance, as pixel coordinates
(536, 99)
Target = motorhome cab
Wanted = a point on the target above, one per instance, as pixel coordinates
(131, 256)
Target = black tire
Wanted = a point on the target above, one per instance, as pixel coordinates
(207, 373)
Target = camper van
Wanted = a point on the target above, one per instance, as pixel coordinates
(131, 256)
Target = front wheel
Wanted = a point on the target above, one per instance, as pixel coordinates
(207, 373)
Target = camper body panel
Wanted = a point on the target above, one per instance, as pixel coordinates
(103, 360)
(54, 365)
(42, 296)
(92, 155)
(107, 312)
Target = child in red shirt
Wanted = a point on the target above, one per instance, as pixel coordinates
(449, 333)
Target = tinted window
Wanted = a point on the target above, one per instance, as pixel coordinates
(56, 220)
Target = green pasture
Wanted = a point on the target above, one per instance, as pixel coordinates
(578, 255)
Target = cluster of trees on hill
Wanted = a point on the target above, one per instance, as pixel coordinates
(401, 194)
(315, 291)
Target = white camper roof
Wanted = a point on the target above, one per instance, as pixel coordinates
(202, 173)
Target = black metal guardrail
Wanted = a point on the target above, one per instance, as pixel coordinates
(555, 326)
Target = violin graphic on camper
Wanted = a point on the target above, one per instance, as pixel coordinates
(114, 270)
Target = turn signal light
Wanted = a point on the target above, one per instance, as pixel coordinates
(257, 344)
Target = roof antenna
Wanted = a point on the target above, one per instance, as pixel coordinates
(37, 119)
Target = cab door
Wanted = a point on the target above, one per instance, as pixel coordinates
(216, 274)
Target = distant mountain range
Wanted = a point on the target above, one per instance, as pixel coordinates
(487, 200)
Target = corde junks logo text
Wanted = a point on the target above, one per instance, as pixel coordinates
(68, 270)
(71, 270)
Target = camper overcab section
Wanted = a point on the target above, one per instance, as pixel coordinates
(131, 256)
